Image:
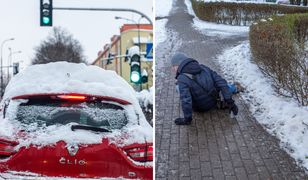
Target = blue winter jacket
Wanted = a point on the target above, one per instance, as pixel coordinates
(197, 85)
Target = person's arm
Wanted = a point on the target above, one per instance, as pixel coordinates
(221, 85)
(186, 100)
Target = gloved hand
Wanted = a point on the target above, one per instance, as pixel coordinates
(232, 106)
(182, 121)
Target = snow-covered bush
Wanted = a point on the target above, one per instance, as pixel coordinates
(241, 13)
(145, 98)
(280, 49)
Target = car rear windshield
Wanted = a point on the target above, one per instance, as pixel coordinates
(97, 114)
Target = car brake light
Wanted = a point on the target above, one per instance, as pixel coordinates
(7, 148)
(141, 153)
(72, 97)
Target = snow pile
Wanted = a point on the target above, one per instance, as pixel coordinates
(162, 9)
(282, 117)
(214, 29)
(145, 97)
(63, 77)
(160, 31)
(133, 50)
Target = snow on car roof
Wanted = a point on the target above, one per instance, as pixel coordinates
(64, 77)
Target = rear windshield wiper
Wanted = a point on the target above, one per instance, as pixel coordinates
(90, 128)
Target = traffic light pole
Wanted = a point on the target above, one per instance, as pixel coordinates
(104, 9)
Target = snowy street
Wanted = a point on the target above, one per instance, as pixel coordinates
(215, 146)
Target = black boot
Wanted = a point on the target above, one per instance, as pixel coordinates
(182, 121)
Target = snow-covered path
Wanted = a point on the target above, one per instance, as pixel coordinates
(214, 146)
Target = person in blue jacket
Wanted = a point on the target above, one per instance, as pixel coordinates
(199, 87)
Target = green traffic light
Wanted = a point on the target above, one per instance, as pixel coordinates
(46, 20)
(135, 77)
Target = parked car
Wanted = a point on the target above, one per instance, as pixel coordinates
(72, 120)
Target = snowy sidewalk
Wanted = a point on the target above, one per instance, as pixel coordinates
(214, 146)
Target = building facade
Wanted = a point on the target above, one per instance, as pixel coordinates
(113, 56)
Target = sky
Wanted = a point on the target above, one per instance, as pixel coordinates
(19, 19)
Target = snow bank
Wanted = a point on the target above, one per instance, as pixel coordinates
(160, 31)
(162, 9)
(214, 29)
(282, 117)
(63, 77)
(145, 97)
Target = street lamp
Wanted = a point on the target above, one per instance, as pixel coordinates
(10, 61)
(138, 25)
(1, 64)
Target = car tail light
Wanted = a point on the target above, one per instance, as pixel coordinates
(7, 148)
(142, 153)
(150, 153)
(72, 97)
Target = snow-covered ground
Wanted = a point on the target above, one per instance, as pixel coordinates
(162, 9)
(281, 116)
(214, 29)
(160, 31)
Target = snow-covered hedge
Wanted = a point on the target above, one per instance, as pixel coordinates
(279, 46)
(240, 13)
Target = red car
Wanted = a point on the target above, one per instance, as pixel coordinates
(75, 135)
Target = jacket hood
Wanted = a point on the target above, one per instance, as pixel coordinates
(189, 66)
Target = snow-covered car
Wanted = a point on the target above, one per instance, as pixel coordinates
(72, 120)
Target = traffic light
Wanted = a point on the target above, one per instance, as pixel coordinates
(135, 72)
(135, 69)
(110, 58)
(144, 76)
(126, 57)
(15, 68)
(46, 12)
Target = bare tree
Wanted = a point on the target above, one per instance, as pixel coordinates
(59, 46)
